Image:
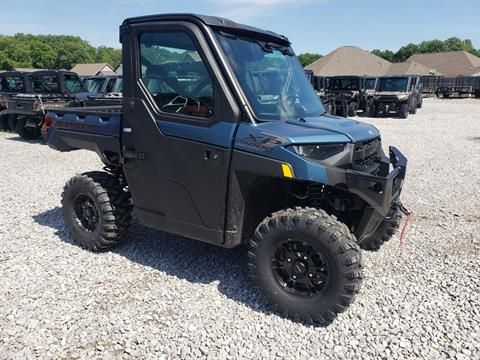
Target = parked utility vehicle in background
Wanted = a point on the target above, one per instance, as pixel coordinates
(110, 85)
(11, 83)
(51, 89)
(399, 94)
(349, 95)
(209, 152)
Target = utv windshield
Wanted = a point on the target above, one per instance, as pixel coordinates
(93, 85)
(370, 84)
(393, 84)
(271, 77)
(343, 84)
(10, 84)
(72, 84)
(46, 84)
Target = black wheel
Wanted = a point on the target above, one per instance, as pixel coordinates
(372, 111)
(413, 110)
(12, 122)
(26, 132)
(420, 103)
(307, 263)
(385, 231)
(4, 123)
(96, 209)
(403, 111)
(352, 109)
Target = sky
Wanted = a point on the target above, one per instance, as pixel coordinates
(318, 26)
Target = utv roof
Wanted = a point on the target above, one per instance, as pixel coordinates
(13, 73)
(397, 76)
(209, 21)
(52, 72)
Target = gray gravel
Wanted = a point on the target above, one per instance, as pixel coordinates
(160, 296)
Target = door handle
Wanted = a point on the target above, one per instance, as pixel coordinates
(212, 155)
(134, 155)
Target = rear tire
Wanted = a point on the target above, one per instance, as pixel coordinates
(372, 111)
(12, 122)
(403, 111)
(97, 210)
(307, 263)
(420, 103)
(27, 133)
(4, 123)
(385, 231)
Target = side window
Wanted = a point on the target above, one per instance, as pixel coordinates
(72, 84)
(175, 75)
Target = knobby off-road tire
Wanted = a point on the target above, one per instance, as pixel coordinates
(4, 123)
(318, 251)
(403, 111)
(97, 210)
(352, 109)
(420, 103)
(385, 231)
(27, 133)
(12, 122)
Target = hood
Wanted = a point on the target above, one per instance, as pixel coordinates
(354, 130)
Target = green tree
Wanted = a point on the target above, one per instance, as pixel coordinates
(308, 58)
(385, 54)
(108, 55)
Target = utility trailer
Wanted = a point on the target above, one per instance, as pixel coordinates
(233, 147)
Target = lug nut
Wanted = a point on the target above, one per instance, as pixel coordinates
(294, 277)
(305, 258)
(289, 260)
(310, 275)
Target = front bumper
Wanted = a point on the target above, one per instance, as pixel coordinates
(380, 192)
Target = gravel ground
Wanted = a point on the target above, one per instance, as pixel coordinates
(161, 296)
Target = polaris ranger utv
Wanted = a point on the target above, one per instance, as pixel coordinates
(210, 152)
(51, 89)
(11, 84)
(349, 95)
(400, 94)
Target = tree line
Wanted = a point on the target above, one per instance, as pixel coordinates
(431, 46)
(65, 51)
(52, 52)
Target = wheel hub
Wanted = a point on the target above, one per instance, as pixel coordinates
(85, 212)
(299, 268)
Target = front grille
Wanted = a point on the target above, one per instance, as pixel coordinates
(365, 153)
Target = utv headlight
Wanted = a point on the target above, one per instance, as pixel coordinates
(318, 152)
(402, 97)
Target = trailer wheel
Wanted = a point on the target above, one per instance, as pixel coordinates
(403, 111)
(307, 263)
(96, 209)
(385, 231)
(25, 132)
(12, 122)
(4, 123)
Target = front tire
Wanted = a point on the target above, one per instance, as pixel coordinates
(26, 132)
(352, 109)
(403, 111)
(97, 210)
(307, 263)
(12, 122)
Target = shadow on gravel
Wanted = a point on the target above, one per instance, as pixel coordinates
(20, 139)
(186, 259)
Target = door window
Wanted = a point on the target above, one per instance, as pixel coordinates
(175, 75)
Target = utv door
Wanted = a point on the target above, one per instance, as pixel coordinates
(177, 138)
